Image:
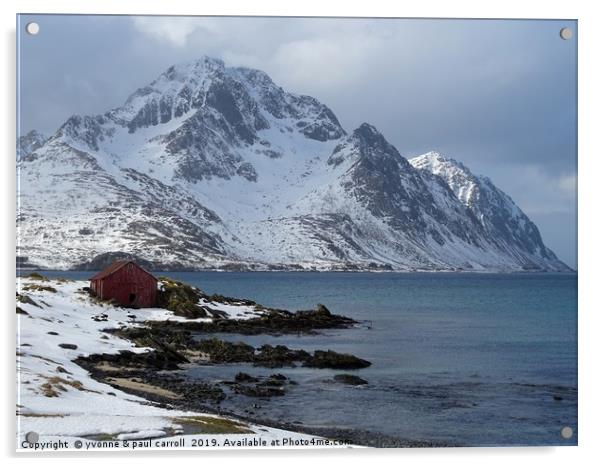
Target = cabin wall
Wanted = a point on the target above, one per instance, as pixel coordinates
(129, 286)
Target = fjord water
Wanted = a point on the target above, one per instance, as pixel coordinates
(469, 359)
(472, 359)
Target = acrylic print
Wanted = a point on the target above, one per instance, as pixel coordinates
(295, 232)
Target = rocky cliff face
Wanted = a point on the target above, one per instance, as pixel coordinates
(217, 167)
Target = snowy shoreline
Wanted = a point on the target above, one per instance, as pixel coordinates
(59, 401)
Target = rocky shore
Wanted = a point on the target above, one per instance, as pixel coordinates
(176, 344)
(170, 390)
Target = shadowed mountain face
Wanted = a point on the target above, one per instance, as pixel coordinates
(217, 167)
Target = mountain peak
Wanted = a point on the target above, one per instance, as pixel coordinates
(372, 139)
(365, 143)
(193, 69)
(173, 93)
(29, 142)
(246, 98)
(366, 129)
(34, 134)
(208, 61)
(436, 162)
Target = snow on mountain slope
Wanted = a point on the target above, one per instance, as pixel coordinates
(377, 209)
(504, 222)
(69, 205)
(217, 167)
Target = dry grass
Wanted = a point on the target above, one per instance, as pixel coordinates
(37, 276)
(213, 425)
(36, 287)
(55, 385)
(62, 280)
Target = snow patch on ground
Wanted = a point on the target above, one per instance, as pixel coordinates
(59, 400)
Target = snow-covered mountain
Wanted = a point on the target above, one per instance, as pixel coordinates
(217, 167)
(504, 222)
(29, 142)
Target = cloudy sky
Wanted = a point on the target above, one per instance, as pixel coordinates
(499, 96)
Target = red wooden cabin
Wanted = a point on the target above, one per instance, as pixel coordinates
(127, 283)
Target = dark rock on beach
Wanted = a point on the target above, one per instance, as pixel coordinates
(222, 351)
(244, 377)
(333, 360)
(258, 390)
(349, 379)
(156, 336)
(153, 360)
(263, 387)
(187, 389)
(178, 345)
(68, 346)
(279, 356)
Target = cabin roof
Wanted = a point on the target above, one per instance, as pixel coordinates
(114, 267)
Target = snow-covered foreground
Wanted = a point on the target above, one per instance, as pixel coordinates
(58, 400)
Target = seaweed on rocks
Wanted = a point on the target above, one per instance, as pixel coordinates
(171, 342)
(128, 361)
(273, 321)
(279, 356)
(174, 346)
(221, 351)
(180, 298)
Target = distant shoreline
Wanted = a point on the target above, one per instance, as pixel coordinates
(353, 271)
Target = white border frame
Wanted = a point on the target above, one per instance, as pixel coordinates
(590, 169)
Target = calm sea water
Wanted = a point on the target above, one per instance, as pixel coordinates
(473, 359)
